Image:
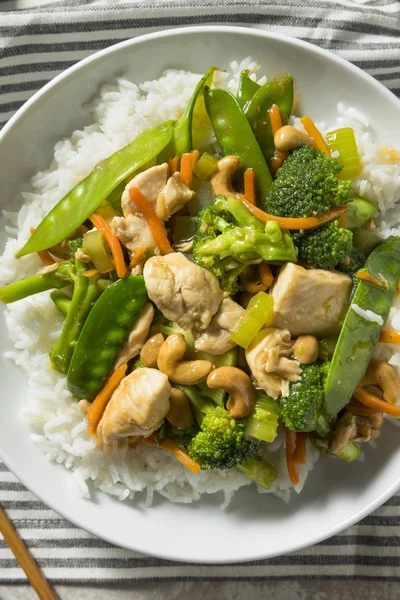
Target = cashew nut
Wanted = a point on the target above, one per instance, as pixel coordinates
(383, 376)
(289, 138)
(242, 396)
(150, 350)
(306, 349)
(169, 361)
(179, 414)
(251, 280)
(221, 181)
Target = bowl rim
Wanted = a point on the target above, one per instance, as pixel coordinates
(251, 32)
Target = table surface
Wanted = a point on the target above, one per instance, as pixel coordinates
(218, 590)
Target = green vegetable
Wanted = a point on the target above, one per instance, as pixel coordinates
(228, 238)
(259, 471)
(247, 88)
(235, 136)
(307, 184)
(324, 247)
(228, 359)
(259, 313)
(359, 213)
(359, 336)
(343, 141)
(262, 423)
(183, 127)
(301, 409)
(103, 334)
(87, 196)
(94, 245)
(350, 452)
(86, 292)
(61, 300)
(205, 166)
(221, 441)
(365, 240)
(327, 347)
(352, 262)
(58, 278)
(279, 92)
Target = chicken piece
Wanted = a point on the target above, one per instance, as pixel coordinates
(173, 197)
(268, 359)
(133, 231)
(150, 182)
(310, 301)
(184, 292)
(216, 339)
(137, 336)
(137, 408)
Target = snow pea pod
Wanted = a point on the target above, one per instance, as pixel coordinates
(358, 337)
(86, 197)
(103, 334)
(247, 88)
(86, 292)
(279, 92)
(235, 136)
(183, 127)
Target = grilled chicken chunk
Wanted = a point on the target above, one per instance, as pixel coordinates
(216, 339)
(150, 182)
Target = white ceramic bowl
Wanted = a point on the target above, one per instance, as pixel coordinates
(336, 495)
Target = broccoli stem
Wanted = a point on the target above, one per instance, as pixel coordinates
(259, 471)
(61, 300)
(41, 282)
(86, 292)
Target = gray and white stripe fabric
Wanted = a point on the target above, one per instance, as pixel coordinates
(37, 43)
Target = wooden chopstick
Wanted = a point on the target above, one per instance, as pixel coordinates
(24, 557)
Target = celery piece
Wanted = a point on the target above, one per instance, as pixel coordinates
(263, 421)
(94, 245)
(351, 452)
(259, 471)
(206, 166)
(343, 141)
(259, 313)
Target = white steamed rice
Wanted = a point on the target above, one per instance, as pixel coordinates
(122, 110)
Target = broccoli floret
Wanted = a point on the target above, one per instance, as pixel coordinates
(301, 409)
(228, 238)
(306, 185)
(352, 262)
(74, 245)
(221, 442)
(324, 247)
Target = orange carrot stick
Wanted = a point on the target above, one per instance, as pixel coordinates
(313, 132)
(295, 222)
(343, 221)
(99, 404)
(113, 242)
(195, 155)
(398, 287)
(291, 442)
(91, 273)
(138, 256)
(365, 276)
(373, 402)
(266, 276)
(276, 124)
(44, 255)
(187, 165)
(180, 454)
(390, 337)
(173, 164)
(300, 454)
(156, 226)
(250, 186)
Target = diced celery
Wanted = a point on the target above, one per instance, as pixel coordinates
(205, 166)
(351, 452)
(343, 141)
(263, 421)
(259, 313)
(94, 245)
(107, 211)
(259, 471)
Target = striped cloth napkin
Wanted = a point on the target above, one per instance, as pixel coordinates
(36, 43)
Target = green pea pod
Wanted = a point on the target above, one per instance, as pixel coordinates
(86, 292)
(279, 92)
(87, 196)
(235, 136)
(183, 127)
(41, 282)
(359, 336)
(247, 88)
(103, 334)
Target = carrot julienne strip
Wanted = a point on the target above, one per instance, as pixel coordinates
(373, 402)
(266, 276)
(390, 337)
(137, 257)
(113, 242)
(365, 276)
(250, 186)
(313, 132)
(187, 165)
(173, 164)
(99, 404)
(91, 273)
(180, 454)
(44, 255)
(300, 454)
(291, 442)
(156, 226)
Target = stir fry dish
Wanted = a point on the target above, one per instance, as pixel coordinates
(220, 281)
